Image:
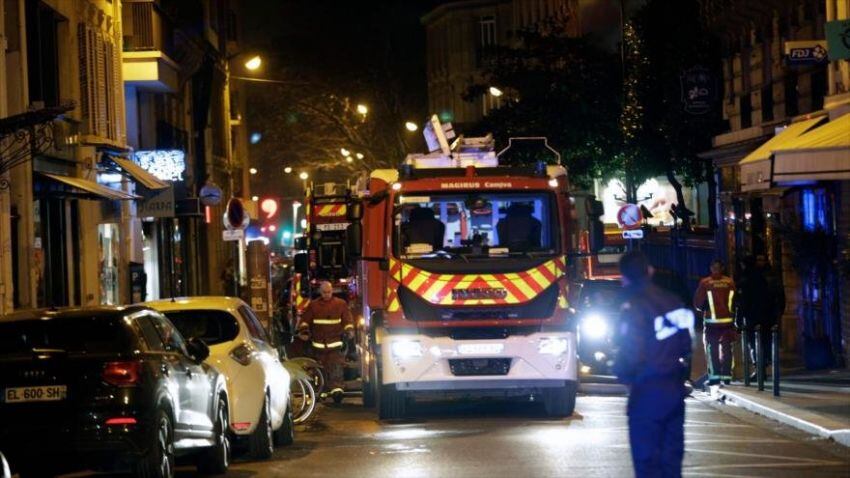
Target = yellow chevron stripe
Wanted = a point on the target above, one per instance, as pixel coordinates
(417, 281)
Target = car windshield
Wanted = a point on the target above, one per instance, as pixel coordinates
(87, 334)
(475, 224)
(211, 326)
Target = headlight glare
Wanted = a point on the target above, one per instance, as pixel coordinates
(594, 326)
(552, 345)
(406, 349)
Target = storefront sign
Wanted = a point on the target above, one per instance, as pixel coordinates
(165, 164)
(838, 39)
(161, 205)
(698, 90)
(805, 53)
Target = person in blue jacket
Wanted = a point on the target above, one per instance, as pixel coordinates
(654, 342)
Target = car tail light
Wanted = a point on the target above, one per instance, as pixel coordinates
(122, 374)
(241, 354)
(121, 421)
(241, 426)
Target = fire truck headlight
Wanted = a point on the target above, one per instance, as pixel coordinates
(594, 326)
(552, 345)
(406, 349)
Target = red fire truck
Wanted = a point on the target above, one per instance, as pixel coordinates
(463, 276)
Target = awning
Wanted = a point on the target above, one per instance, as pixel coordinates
(91, 187)
(755, 167)
(141, 176)
(821, 154)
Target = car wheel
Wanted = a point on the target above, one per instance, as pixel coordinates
(261, 443)
(159, 460)
(285, 435)
(216, 459)
(560, 401)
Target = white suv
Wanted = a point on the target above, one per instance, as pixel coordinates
(240, 349)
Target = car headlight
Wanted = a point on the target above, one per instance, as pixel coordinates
(594, 326)
(406, 349)
(552, 345)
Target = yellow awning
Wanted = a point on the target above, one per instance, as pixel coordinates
(835, 134)
(91, 187)
(141, 176)
(781, 140)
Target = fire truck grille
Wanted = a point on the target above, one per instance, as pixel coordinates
(484, 366)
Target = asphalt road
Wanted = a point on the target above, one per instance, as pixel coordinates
(515, 439)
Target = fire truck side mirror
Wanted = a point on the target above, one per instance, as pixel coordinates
(354, 211)
(596, 229)
(354, 240)
(301, 263)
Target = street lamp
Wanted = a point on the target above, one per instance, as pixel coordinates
(303, 175)
(359, 155)
(287, 169)
(362, 109)
(496, 92)
(349, 159)
(254, 63)
(411, 126)
(255, 198)
(345, 152)
(253, 170)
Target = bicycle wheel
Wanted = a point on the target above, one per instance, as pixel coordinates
(318, 379)
(303, 400)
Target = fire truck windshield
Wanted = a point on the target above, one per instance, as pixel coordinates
(475, 225)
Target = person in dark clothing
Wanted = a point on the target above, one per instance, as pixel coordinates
(654, 348)
(753, 307)
(519, 230)
(774, 303)
(422, 227)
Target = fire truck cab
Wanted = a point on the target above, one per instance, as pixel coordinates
(463, 275)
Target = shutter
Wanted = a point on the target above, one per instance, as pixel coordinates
(100, 97)
(85, 86)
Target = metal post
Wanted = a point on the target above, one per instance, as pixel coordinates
(759, 359)
(774, 334)
(746, 353)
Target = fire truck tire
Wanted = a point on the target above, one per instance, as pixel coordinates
(560, 401)
(392, 404)
(369, 385)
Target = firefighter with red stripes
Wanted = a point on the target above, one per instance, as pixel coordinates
(324, 323)
(715, 298)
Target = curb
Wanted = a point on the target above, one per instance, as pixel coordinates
(840, 436)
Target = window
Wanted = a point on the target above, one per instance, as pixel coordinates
(819, 87)
(815, 210)
(81, 334)
(254, 327)
(487, 28)
(149, 334)
(99, 78)
(767, 103)
(43, 53)
(792, 107)
(211, 326)
(476, 224)
(746, 111)
(170, 336)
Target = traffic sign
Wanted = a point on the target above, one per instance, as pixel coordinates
(232, 234)
(629, 216)
(210, 194)
(235, 216)
(633, 234)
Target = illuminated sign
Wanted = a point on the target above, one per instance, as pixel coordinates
(165, 164)
(269, 207)
(476, 185)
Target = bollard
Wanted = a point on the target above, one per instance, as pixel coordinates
(746, 353)
(759, 360)
(774, 335)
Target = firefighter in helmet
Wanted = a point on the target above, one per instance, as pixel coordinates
(325, 322)
(715, 298)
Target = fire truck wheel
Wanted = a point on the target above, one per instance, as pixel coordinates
(369, 385)
(560, 401)
(392, 404)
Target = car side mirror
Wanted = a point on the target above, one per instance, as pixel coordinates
(197, 349)
(354, 211)
(354, 240)
(596, 229)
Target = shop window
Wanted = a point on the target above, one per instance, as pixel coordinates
(108, 247)
(815, 210)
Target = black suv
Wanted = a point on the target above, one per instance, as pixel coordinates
(108, 388)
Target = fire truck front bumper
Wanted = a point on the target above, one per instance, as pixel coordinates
(420, 363)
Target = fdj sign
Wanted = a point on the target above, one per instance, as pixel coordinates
(698, 90)
(805, 53)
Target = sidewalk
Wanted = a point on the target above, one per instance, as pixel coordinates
(817, 403)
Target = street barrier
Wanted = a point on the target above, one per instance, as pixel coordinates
(745, 351)
(774, 344)
(759, 360)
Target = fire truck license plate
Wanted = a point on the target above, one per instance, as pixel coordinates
(49, 393)
(480, 349)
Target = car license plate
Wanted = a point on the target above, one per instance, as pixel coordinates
(46, 393)
(479, 349)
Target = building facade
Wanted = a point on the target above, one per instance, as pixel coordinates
(787, 209)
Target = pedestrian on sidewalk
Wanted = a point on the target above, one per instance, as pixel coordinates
(714, 298)
(753, 309)
(654, 349)
(775, 299)
(324, 323)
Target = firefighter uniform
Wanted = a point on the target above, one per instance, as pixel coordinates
(327, 320)
(715, 298)
(654, 349)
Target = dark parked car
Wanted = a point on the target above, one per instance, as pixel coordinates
(597, 308)
(110, 389)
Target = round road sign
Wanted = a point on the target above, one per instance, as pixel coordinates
(629, 216)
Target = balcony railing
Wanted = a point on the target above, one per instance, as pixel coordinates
(146, 28)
